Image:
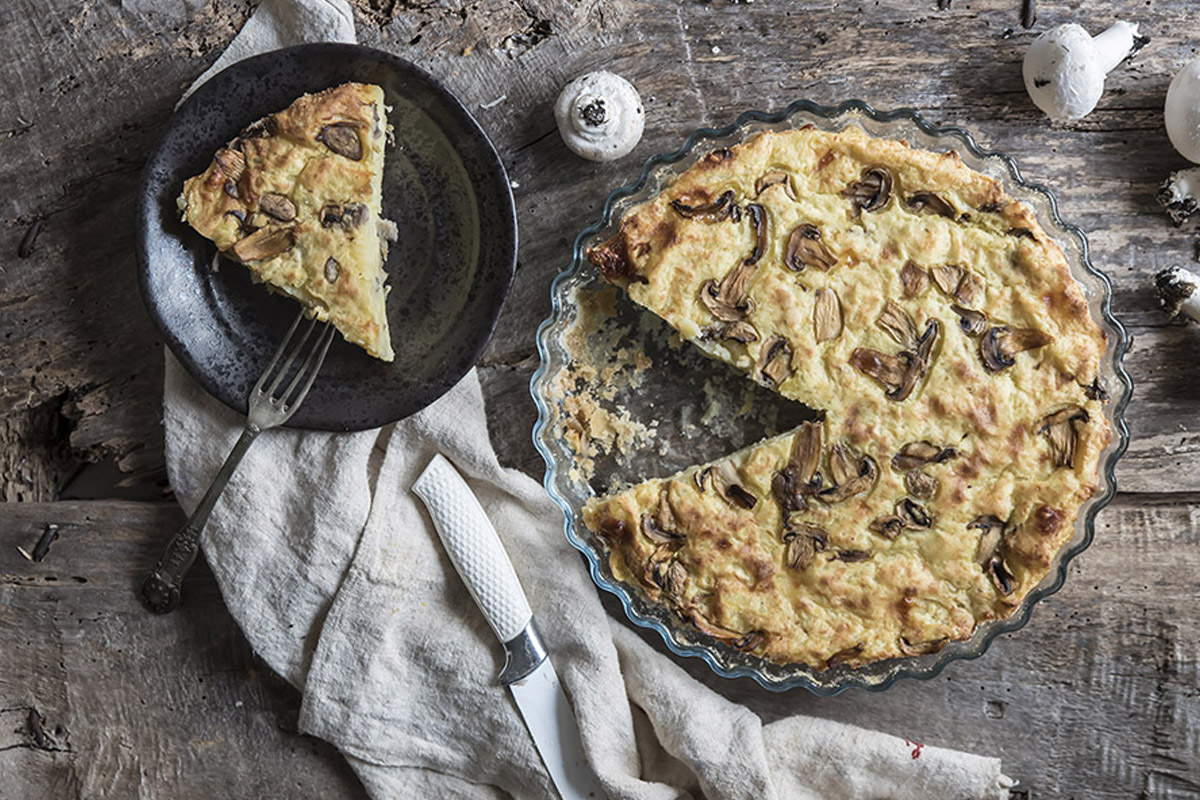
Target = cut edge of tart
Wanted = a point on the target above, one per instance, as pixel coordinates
(297, 196)
(954, 355)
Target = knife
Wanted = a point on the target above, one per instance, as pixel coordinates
(478, 555)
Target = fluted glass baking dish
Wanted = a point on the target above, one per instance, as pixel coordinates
(661, 406)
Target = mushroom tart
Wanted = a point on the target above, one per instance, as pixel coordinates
(296, 197)
(938, 329)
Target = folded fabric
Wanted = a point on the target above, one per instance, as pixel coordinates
(333, 570)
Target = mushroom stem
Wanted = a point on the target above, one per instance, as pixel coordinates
(1115, 44)
(1178, 292)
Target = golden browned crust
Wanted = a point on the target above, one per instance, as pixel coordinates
(296, 198)
(939, 328)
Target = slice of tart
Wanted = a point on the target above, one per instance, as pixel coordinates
(953, 355)
(813, 547)
(296, 197)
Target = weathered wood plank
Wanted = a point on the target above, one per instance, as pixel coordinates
(66, 354)
(134, 705)
(1095, 698)
(74, 344)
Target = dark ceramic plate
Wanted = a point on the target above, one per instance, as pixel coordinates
(443, 185)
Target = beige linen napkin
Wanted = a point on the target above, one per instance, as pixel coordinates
(333, 570)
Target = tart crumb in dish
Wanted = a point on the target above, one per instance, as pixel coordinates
(296, 197)
(937, 327)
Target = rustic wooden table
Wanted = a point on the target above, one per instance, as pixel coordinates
(1098, 697)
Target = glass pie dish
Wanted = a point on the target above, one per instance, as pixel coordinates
(652, 407)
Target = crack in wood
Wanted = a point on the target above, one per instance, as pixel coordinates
(15, 301)
(33, 727)
(513, 27)
(536, 31)
(35, 453)
(34, 723)
(25, 249)
(1165, 498)
(531, 143)
(13, 581)
(513, 358)
(381, 12)
(1028, 14)
(73, 185)
(1177, 782)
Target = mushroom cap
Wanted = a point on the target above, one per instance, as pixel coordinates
(600, 116)
(1062, 74)
(1182, 112)
(1064, 68)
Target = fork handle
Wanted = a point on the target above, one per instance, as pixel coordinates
(161, 586)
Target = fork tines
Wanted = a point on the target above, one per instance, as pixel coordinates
(303, 379)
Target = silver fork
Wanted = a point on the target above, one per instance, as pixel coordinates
(160, 588)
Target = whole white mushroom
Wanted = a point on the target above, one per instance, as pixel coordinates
(1182, 112)
(600, 116)
(1064, 68)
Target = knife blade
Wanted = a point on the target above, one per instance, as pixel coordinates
(480, 559)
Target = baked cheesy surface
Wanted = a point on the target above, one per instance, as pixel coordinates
(939, 330)
(296, 197)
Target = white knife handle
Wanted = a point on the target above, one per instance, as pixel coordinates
(474, 548)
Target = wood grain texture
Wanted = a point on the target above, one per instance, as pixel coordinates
(1097, 698)
(80, 116)
(134, 705)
